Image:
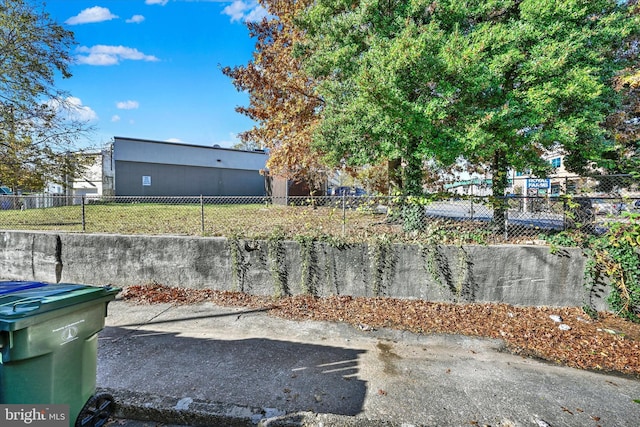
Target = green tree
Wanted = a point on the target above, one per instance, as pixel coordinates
(624, 123)
(496, 82)
(37, 121)
(246, 145)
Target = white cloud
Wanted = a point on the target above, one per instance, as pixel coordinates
(71, 108)
(90, 15)
(115, 118)
(175, 140)
(241, 10)
(127, 105)
(135, 19)
(236, 10)
(79, 111)
(110, 55)
(256, 14)
(160, 2)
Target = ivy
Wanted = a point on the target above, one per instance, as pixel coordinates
(613, 259)
(384, 263)
(309, 267)
(277, 266)
(412, 217)
(437, 265)
(616, 256)
(238, 266)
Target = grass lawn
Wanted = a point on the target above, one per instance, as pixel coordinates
(256, 221)
(246, 220)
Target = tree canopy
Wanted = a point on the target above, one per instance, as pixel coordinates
(624, 123)
(37, 121)
(496, 82)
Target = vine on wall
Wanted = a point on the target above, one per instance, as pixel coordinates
(460, 287)
(613, 260)
(437, 266)
(384, 260)
(238, 266)
(277, 265)
(310, 276)
(330, 269)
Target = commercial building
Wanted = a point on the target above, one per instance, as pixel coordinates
(138, 167)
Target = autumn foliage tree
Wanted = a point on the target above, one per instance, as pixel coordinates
(282, 96)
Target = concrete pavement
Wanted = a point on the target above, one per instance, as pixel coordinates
(212, 366)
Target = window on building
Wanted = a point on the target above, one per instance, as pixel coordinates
(555, 162)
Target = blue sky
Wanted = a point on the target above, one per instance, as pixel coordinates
(151, 69)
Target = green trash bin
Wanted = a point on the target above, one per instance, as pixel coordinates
(49, 347)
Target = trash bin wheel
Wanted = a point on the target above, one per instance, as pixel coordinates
(96, 411)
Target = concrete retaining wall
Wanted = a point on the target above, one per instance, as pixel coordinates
(522, 275)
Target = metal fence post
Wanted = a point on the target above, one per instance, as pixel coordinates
(344, 214)
(506, 224)
(84, 218)
(202, 214)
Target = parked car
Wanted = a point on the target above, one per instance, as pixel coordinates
(603, 207)
(348, 191)
(580, 213)
(620, 207)
(5, 202)
(614, 207)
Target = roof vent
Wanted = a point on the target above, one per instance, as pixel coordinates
(216, 145)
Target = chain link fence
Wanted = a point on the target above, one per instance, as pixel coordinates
(526, 213)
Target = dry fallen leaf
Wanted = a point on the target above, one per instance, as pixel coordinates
(527, 331)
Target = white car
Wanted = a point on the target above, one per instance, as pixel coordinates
(603, 207)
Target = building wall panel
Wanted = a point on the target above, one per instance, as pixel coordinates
(180, 180)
